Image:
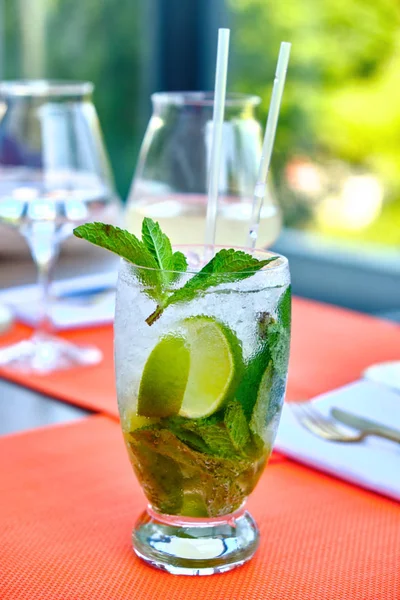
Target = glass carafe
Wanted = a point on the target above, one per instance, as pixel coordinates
(171, 179)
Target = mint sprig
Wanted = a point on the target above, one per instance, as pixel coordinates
(163, 267)
(227, 266)
(171, 264)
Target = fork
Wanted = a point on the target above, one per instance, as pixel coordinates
(324, 427)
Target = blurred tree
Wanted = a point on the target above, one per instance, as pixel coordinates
(340, 99)
(100, 41)
(341, 94)
(94, 41)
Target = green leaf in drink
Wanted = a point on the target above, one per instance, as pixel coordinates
(236, 424)
(227, 266)
(262, 387)
(279, 342)
(284, 309)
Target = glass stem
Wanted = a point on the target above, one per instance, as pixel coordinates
(45, 250)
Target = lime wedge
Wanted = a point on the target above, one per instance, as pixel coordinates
(191, 372)
(164, 378)
(215, 356)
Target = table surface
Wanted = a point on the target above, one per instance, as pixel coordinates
(330, 539)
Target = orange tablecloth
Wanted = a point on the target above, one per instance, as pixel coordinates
(69, 500)
(330, 347)
(90, 387)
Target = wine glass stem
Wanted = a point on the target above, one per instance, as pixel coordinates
(44, 325)
(45, 255)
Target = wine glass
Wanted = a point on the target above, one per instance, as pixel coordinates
(171, 180)
(54, 175)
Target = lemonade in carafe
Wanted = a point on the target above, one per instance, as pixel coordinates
(171, 180)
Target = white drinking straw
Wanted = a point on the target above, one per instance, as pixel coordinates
(269, 137)
(216, 142)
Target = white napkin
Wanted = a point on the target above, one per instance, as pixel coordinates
(386, 373)
(373, 463)
(80, 302)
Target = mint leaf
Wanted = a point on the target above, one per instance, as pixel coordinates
(127, 246)
(279, 344)
(171, 265)
(117, 240)
(179, 265)
(284, 310)
(279, 334)
(222, 435)
(217, 439)
(185, 434)
(247, 391)
(269, 403)
(157, 243)
(267, 371)
(276, 397)
(258, 421)
(227, 266)
(236, 424)
(274, 340)
(212, 432)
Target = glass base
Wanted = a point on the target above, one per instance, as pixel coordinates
(190, 546)
(44, 354)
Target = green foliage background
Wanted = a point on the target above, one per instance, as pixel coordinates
(341, 99)
(342, 95)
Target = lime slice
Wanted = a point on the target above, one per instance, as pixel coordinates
(215, 359)
(164, 378)
(191, 372)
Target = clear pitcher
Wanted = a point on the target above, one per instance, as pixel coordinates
(171, 179)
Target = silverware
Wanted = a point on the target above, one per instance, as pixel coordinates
(330, 429)
(366, 425)
(323, 427)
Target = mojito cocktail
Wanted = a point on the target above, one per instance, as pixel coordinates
(201, 355)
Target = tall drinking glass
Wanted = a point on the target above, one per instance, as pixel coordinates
(171, 179)
(54, 174)
(200, 391)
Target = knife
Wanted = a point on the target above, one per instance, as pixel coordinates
(365, 425)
